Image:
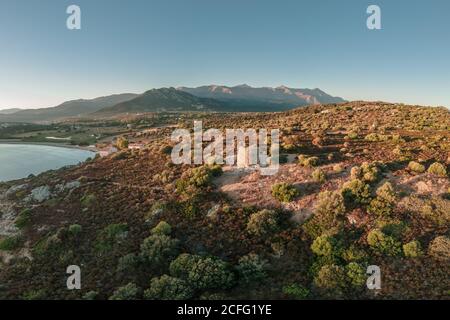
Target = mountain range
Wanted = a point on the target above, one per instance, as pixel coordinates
(242, 98)
(247, 98)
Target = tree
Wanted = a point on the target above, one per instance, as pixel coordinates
(251, 268)
(263, 223)
(438, 169)
(356, 274)
(127, 292)
(202, 273)
(383, 243)
(384, 203)
(412, 249)
(159, 249)
(296, 291)
(323, 246)
(162, 228)
(331, 279)
(356, 192)
(168, 288)
(284, 192)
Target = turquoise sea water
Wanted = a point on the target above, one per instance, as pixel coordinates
(20, 160)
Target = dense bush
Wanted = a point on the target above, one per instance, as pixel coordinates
(356, 274)
(323, 245)
(306, 161)
(159, 249)
(128, 264)
(383, 243)
(296, 291)
(284, 192)
(437, 169)
(197, 178)
(331, 279)
(251, 268)
(412, 249)
(162, 228)
(75, 229)
(383, 204)
(329, 214)
(110, 236)
(356, 192)
(202, 273)
(416, 167)
(183, 264)
(168, 288)
(127, 292)
(263, 223)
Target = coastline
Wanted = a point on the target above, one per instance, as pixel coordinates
(49, 144)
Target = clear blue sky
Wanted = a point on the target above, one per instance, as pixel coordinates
(132, 46)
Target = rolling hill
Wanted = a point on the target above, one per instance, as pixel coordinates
(73, 108)
(163, 100)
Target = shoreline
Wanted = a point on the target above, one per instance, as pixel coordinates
(49, 144)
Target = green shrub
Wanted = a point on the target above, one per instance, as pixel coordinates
(263, 223)
(127, 292)
(183, 264)
(23, 219)
(308, 162)
(90, 295)
(159, 249)
(354, 254)
(331, 279)
(211, 273)
(356, 274)
(383, 243)
(319, 176)
(111, 235)
(356, 192)
(162, 228)
(168, 288)
(284, 192)
(296, 291)
(323, 246)
(202, 273)
(11, 243)
(251, 268)
(384, 203)
(437, 169)
(197, 178)
(128, 264)
(75, 229)
(416, 167)
(412, 249)
(328, 215)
